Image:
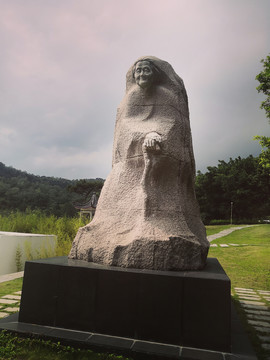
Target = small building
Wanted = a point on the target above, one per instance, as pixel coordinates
(89, 207)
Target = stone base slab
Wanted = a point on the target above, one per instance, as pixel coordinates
(136, 349)
(188, 308)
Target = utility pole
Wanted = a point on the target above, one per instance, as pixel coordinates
(231, 211)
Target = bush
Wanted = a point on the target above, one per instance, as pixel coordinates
(219, 222)
(36, 222)
(18, 258)
(245, 221)
(234, 222)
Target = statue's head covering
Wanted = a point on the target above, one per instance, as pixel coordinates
(164, 75)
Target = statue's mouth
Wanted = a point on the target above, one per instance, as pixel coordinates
(144, 82)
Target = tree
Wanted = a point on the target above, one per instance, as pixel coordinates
(264, 79)
(84, 186)
(241, 181)
(265, 153)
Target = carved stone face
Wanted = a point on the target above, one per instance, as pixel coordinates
(143, 74)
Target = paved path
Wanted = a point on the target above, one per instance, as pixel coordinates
(10, 304)
(8, 277)
(256, 305)
(226, 232)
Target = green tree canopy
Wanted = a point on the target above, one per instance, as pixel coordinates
(265, 154)
(241, 181)
(264, 79)
(86, 187)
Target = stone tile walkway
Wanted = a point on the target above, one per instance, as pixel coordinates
(10, 304)
(226, 232)
(229, 245)
(256, 305)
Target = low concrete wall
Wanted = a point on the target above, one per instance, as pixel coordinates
(34, 244)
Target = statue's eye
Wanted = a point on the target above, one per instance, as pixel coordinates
(146, 70)
(138, 70)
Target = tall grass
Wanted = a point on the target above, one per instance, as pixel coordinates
(36, 222)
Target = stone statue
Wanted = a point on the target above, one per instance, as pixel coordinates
(147, 216)
(94, 200)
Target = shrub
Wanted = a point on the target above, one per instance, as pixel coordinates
(36, 222)
(18, 258)
(219, 222)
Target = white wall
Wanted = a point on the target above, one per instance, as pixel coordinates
(10, 241)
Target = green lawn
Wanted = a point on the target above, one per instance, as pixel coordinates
(247, 266)
(214, 229)
(20, 348)
(254, 235)
(9, 287)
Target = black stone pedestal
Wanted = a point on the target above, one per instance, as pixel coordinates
(146, 315)
(189, 308)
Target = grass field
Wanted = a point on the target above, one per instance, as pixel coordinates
(19, 348)
(248, 265)
(10, 287)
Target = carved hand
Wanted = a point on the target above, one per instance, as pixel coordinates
(152, 142)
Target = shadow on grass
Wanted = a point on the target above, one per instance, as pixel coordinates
(261, 353)
(14, 347)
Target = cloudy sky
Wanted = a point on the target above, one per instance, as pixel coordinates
(63, 65)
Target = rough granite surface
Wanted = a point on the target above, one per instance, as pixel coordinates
(147, 216)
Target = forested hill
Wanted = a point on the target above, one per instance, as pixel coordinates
(239, 188)
(20, 191)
